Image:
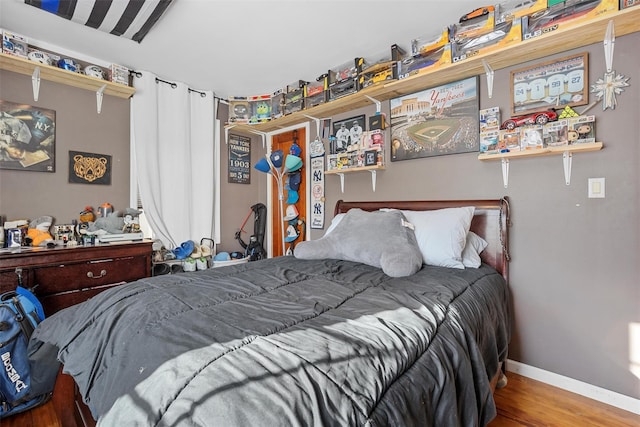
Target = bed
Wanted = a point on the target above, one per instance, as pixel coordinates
(297, 342)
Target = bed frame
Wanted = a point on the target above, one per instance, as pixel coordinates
(490, 221)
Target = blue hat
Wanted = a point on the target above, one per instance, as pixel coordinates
(292, 197)
(263, 165)
(276, 158)
(292, 234)
(295, 149)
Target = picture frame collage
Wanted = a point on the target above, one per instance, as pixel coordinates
(357, 143)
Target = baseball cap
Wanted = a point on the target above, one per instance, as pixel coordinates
(292, 234)
(291, 213)
(276, 158)
(294, 180)
(263, 165)
(292, 163)
(295, 149)
(292, 197)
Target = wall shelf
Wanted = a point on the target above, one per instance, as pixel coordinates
(566, 151)
(59, 75)
(561, 40)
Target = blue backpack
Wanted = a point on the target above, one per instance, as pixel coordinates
(20, 313)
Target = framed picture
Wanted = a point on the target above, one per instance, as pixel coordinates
(239, 159)
(556, 83)
(348, 133)
(27, 137)
(370, 157)
(89, 168)
(437, 121)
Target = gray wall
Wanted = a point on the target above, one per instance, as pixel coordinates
(575, 268)
(79, 127)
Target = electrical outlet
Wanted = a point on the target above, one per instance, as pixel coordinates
(596, 188)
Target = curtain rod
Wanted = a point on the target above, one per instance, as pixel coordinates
(175, 85)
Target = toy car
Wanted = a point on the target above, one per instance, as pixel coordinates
(382, 76)
(559, 13)
(538, 118)
(481, 11)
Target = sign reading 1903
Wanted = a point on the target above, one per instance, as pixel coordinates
(239, 159)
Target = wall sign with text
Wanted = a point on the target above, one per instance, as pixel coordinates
(239, 159)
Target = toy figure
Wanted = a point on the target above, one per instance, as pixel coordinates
(263, 112)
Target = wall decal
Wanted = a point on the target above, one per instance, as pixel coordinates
(89, 168)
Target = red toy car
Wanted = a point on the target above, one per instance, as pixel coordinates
(537, 118)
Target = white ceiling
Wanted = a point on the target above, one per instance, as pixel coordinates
(245, 47)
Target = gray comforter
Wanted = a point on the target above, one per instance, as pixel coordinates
(288, 342)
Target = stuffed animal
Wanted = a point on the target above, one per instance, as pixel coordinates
(113, 223)
(38, 231)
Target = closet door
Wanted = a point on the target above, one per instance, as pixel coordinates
(284, 142)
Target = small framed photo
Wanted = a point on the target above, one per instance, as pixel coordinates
(370, 157)
(348, 133)
(556, 83)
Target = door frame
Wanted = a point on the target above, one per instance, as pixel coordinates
(272, 210)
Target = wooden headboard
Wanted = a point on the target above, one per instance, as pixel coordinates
(490, 221)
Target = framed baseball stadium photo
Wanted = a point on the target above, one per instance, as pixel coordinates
(437, 121)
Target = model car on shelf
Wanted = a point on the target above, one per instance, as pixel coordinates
(537, 118)
(559, 13)
(476, 13)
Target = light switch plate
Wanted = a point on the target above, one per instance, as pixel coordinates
(596, 188)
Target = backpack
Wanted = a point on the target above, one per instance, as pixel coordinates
(20, 313)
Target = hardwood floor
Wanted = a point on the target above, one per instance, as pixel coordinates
(527, 402)
(523, 402)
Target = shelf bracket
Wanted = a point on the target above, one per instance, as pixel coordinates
(505, 172)
(341, 175)
(262, 134)
(373, 179)
(566, 161)
(226, 133)
(490, 73)
(317, 120)
(35, 82)
(99, 95)
(378, 103)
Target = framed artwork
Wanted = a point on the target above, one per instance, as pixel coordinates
(437, 121)
(556, 83)
(27, 137)
(89, 168)
(348, 133)
(239, 159)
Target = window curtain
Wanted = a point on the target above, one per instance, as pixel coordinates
(172, 137)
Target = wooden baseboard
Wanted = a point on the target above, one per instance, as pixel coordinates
(603, 395)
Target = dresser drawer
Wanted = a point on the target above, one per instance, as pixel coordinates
(90, 274)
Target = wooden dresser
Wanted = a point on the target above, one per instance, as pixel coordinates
(62, 276)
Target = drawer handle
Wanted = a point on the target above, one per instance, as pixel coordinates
(102, 274)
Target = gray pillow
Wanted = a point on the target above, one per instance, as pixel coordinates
(380, 239)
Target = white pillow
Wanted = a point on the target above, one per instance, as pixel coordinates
(442, 234)
(472, 250)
